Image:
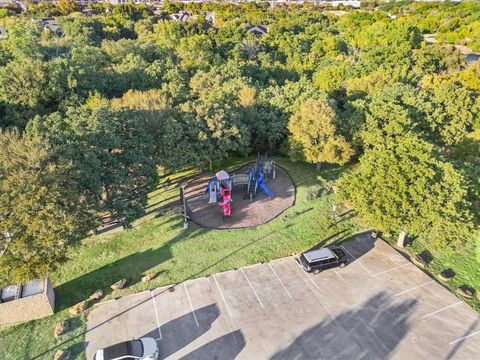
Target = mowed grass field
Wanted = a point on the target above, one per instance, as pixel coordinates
(158, 243)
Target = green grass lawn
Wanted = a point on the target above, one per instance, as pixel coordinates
(159, 243)
(463, 262)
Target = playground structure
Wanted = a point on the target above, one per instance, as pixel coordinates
(261, 172)
(220, 191)
(220, 187)
(243, 211)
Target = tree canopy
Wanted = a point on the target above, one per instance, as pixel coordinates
(42, 211)
(404, 186)
(110, 97)
(314, 136)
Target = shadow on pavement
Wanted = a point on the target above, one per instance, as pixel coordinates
(226, 347)
(357, 244)
(372, 331)
(179, 332)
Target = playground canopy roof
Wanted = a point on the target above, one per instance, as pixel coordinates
(222, 175)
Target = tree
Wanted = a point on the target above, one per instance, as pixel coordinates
(30, 87)
(23, 83)
(67, 6)
(394, 111)
(40, 208)
(42, 9)
(250, 49)
(314, 135)
(88, 70)
(23, 41)
(331, 78)
(404, 186)
(454, 112)
(112, 151)
(82, 31)
(219, 130)
(175, 138)
(195, 52)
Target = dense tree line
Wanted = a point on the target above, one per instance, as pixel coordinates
(89, 115)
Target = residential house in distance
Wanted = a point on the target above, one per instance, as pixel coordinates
(86, 2)
(257, 30)
(87, 12)
(49, 23)
(3, 33)
(53, 26)
(352, 3)
(118, 2)
(209, 16)
(186, 16)
(180, 16)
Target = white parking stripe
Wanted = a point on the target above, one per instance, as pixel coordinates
(280, 281)
(313, 282)
(223, 297)
(191, 306)
(306, 274)
(394, 268)
(156, 315)
(361, 264)
(464, 337)
(340, 276)
(249, 283)
(315, 293)
(444, 308)
(416, 287)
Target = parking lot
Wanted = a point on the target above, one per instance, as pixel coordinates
(378, 307)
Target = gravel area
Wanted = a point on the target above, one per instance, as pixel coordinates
(244, 213)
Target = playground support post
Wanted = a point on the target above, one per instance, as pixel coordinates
(184, 204)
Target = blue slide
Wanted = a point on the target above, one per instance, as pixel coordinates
(263, 186)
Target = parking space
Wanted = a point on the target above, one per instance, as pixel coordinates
(379, 306)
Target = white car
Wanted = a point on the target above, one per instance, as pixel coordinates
(141, 349)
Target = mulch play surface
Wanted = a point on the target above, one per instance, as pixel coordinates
(244, 213)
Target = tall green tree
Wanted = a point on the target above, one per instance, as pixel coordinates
(113, 151)
(24, 40)
(67, 6)
(195, 52)
(30, 87)
(454, 111)
(314, 136)
(219, 130)
(41, 211)
(404, 186)
(175, 138)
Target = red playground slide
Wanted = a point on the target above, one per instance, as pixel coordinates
(225, 203)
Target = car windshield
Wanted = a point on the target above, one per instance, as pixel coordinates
(339, 253)
(135, 348)
(303, 260)
(132, 348)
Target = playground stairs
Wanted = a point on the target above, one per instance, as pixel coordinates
(252, 188)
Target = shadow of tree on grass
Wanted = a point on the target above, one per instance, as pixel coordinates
(132, 267)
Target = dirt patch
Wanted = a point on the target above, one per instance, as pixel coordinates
(244, 213)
